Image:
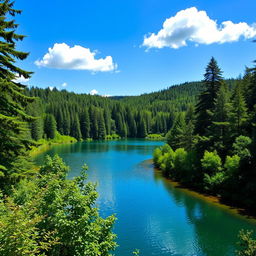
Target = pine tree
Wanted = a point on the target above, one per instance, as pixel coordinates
(75, 128)
(206, 103)
(50, 126)
(175, 137)
(66, 122)
(102, 128)
(13, 144)
(219, 129)
(188, 136)
(107, 120)
(85, 124)
(238, 113)
(37, 126)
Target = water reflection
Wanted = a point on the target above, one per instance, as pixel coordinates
(153, 215)
(216, 230)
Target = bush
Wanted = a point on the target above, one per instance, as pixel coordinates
(180, 163)
(211, 162)
(214, 183)
(241, 146)
(232, 165)
(54, 216)
(247, 245)
(156, 155)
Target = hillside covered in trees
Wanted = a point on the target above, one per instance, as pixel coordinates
(95, 117)
(211, 147)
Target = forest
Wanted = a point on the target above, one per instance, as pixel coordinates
(84, 116)
(209, 127)
(211, 146)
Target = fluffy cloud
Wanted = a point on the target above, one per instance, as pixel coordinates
(196, 26)
(62, 56)
(64, 85)
(20, 79)
(94, 92)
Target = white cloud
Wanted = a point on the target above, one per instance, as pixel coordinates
(94, 92)
(196, 26)
(64, 84)
(62, 56)
(20, 79)
(51, 88)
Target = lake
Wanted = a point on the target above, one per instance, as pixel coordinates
(153, 215)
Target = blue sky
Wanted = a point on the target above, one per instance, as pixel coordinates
(117, 29)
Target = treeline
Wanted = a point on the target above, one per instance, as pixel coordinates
(94, 117)
(212, 147)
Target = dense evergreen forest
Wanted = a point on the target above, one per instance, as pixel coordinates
(95, 117)
(211, 146)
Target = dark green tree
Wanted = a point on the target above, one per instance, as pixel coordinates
(13, 143)
(75, 128)
(206, 103)
(50, 127)
(85, 124)
(238, 115)
(220, 127)
(175, 137)
(101, 125)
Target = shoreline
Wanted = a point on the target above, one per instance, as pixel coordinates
(46, 146)
(214, 200)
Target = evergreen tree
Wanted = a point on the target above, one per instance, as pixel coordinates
(50, 126)
(175, 137)
(219, 129)
(36, 110)
(66, 122)
(13, 144)
(238, 115)
(107, 120)
(75, 128)
(102, 128)
(60, 121)
(206, 103)
(85, 124)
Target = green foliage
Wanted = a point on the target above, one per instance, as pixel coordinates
(112, 137)
(49, 126)
(232, 165)
(211, 162)
(246, 244)
(241, 146)
(213, 183)
(238, 115)
(19, 234)
(55, 216)
(175, 136)
(206, 103)
(180, 163)
(13, 129)
(155, 137)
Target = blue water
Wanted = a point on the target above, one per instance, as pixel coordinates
(153, 216)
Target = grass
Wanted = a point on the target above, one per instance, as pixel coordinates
(155, 137)
(44, 144)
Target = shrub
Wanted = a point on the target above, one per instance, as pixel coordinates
(247, 245)
(180, 163)
(213, 183)
(232, 164)
(241, 146)
(211, 162)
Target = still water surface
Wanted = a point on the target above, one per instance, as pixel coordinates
(153, 215)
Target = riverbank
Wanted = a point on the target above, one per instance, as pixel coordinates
(44, 145)
(214, 200)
